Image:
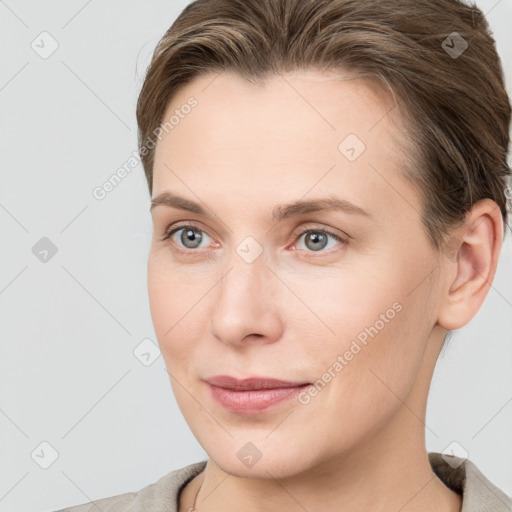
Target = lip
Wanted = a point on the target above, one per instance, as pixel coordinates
(251, 383)
(254, 394)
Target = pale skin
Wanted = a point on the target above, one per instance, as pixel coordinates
(359, 444)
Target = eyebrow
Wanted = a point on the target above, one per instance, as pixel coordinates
(279, 213)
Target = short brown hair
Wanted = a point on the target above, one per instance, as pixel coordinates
(456, 106)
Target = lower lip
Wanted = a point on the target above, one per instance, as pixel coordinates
(254, 401)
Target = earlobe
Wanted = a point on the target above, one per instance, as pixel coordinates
(476, 246)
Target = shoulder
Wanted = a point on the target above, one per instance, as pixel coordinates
(464, 477)
(161, 496)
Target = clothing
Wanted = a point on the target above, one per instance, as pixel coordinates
(478, 493)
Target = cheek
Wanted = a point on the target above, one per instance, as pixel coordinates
(177, 302)
(165, 300)
(374, 328)
(160, 300)
(361, 373)
(348, 304)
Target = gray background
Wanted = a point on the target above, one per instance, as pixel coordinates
(68, 374)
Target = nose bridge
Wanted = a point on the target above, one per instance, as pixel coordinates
(241, 285)
(242, 305)
(246, 267)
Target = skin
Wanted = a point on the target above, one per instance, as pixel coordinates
(361, 440)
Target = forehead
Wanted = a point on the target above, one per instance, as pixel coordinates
(292, 133)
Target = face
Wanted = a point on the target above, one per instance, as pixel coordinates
(341, 298)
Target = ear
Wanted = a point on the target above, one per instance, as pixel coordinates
(472, 254)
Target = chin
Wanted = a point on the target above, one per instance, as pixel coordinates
(247, 455)
(265, 468)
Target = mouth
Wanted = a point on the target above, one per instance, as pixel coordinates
(252, 395)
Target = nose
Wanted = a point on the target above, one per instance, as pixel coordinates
(246, 306)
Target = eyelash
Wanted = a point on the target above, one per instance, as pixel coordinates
(194, 253)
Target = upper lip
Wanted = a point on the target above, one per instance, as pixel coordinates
(227, 382)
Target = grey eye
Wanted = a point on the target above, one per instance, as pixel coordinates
(315, 240)
(190, 237)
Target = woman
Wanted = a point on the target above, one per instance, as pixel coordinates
(376, 131)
